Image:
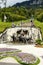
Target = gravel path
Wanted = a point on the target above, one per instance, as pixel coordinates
(9, 60)
(8, 63)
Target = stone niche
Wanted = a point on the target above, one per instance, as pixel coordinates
(24, 34)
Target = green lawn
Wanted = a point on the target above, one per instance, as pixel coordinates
(4, 25)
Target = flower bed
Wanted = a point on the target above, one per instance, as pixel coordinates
(8, 50)
(39, 46)
(27, 59)
(5, 52)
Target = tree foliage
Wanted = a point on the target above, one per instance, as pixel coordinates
(21, 13)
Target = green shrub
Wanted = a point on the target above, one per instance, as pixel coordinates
(38, 41)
